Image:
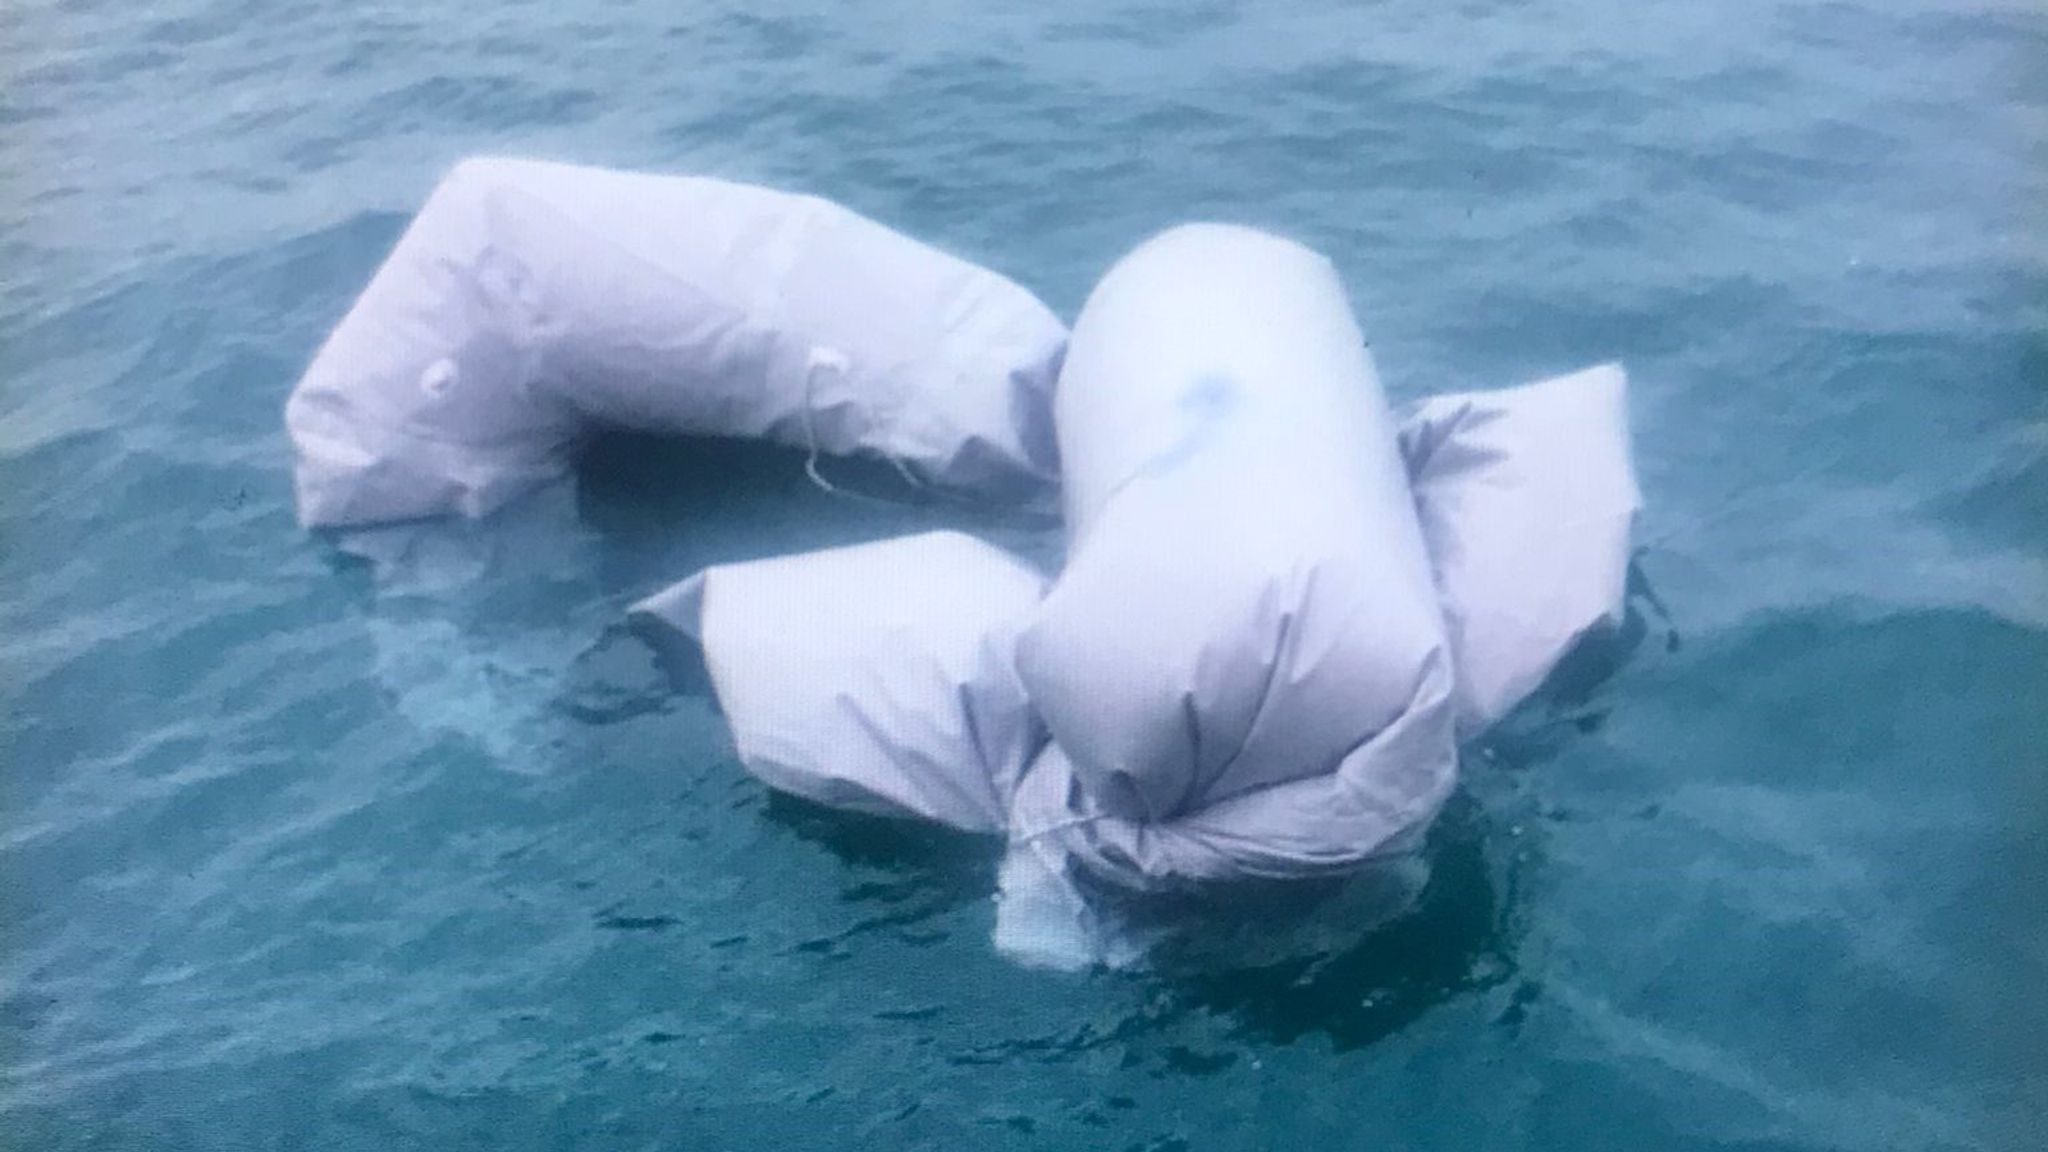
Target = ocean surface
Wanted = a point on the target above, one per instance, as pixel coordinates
(304, 850)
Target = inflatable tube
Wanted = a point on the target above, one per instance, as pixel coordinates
(1242, 666)
(530, 302)
(877, 678)
(882, 678)
(1527, 498)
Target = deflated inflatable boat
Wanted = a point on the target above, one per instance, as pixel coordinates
(529, 303)
(1280, 611)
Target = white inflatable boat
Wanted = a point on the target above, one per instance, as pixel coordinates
(1281, 610)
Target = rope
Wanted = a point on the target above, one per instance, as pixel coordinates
(836, 361)
(832, 359)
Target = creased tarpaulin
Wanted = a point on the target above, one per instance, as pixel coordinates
(1278, 615)
(529, 303)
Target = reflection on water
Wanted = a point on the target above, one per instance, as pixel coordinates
(1356, 960)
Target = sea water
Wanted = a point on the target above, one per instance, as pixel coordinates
(401, 841)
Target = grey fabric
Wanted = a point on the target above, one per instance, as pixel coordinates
(1242, 665)
(877, 678)
(1527, 497)
(530, 302)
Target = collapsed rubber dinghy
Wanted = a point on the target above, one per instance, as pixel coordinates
(529, 303)
(1278, 617)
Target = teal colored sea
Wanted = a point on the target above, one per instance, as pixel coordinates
(300, 849)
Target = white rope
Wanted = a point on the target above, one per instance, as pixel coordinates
(833, 359)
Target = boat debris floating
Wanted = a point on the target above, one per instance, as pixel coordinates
(1282, 609)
